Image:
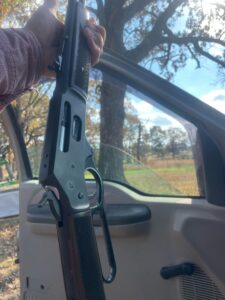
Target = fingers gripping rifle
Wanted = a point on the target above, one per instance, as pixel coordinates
(65, 158)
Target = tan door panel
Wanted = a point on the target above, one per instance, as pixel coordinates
(185, 231)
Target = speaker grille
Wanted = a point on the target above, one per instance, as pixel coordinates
(32, 296)
(200, 286)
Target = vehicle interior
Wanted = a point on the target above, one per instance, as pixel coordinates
(159, 147)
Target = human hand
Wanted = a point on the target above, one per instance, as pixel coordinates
(96, 36)
(49, 31)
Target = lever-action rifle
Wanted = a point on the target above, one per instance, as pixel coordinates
(65, 158)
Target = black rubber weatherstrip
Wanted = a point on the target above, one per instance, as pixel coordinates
(20, 140)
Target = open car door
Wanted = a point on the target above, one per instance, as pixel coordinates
(165, 210)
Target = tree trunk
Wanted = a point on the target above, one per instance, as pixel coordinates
(111, 130)
(139, 142)
(10, 172)
(1, 174)
(18, 111)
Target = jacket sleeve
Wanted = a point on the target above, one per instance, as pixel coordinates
(20, 63)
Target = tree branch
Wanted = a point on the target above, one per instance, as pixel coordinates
(194, 56)
(161, 22)
(131, 10)
(191, 40)
(208, 55)
(150, 41)
(154, 37)
(195, 42)
(167, 55)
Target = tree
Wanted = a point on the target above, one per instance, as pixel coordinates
(141, 146)
(164, 34)
(16, 12)
(7, 158)
(112, 116)
(177, 141)
(130, 129)
(157, 141)
(93, 108)
(31, 110)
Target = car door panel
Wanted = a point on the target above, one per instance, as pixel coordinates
(178, 232)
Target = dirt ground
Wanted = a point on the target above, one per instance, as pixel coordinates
(9, 270)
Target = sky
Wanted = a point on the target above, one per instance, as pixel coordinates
(203, 83)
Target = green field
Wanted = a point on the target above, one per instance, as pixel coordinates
(161, 177)
(146, 180)
(4, 186)
(169, 177)
(164, 178)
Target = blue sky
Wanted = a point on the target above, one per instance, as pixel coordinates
(203, 83)
(198, 82)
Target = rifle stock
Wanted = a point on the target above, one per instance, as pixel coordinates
(64, 162)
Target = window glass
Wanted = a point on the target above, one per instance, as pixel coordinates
(139, 143)
(136, 141)
(181, 41)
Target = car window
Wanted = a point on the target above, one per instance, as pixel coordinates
(181, 41)
(136, 142)
(139, 143)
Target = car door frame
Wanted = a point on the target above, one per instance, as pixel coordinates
(17, 142)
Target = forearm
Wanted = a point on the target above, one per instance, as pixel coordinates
(20, 63)
(25, 54)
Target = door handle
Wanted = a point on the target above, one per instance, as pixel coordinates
(117, 214)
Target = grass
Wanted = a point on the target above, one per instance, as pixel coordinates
(164, 177)
(175, 177)
(183, 179)
(9, 271)
(149, 182)
(8, 185)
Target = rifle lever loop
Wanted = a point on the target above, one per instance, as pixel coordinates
(99, 209)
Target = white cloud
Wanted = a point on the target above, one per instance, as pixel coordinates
(216, 99)
(158, 118)
(143, 108)
(153, 116)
